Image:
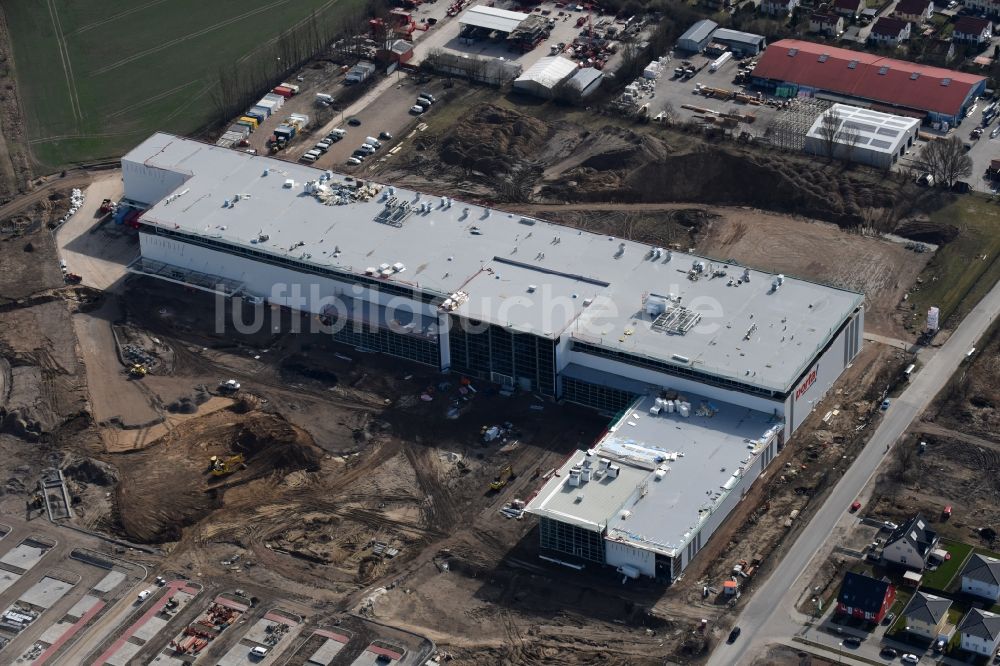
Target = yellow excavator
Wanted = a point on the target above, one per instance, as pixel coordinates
(505, 476)
(219, 466)
(138, 371)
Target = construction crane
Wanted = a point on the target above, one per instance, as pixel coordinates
(505, 476)
(218, 466)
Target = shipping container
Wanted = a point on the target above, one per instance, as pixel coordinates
(302, 118)
(225, 143)
(284, 92)
(249, 119)
(265, 110)
(256, 115)
(243, 130)
(278, 100)
(291, 86)
(286, 131)
(245, 123)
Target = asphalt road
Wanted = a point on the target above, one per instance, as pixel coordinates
(769, 614)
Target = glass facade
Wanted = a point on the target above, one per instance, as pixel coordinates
(572, 540)
(381, 339)
(528, 359)
(601, 398)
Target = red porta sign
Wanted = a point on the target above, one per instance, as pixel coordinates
(806, 383)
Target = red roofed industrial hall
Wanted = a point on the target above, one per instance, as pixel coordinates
(791, 67)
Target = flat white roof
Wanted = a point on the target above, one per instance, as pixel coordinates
(491, 18)
(531, 275)
(697, 457)
(875, 131)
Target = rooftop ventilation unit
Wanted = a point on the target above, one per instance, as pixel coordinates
(676, 320)
(852, 65)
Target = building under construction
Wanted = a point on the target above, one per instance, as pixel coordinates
(526, 304)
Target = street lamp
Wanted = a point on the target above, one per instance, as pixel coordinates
(840, 652)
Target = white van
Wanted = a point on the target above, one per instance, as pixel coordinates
(258, 652)
(145, 594)
(372, 141)
(311, 156)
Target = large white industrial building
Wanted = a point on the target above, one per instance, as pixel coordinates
(743, 356)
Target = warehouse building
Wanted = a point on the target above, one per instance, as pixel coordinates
(585, 81)
(492, 19)
(697, 37)
(740, 43)
(791, 67)
(861, 135)
(544, 78)
(508, 299)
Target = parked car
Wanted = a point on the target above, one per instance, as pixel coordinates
(855, 506)
(258, 652)
(733, 635)
(323, 146)
(852, 642)
(424, 103)
(353, 122)
(889, 525)
(416, 110)
(353, 161)
(885, 404)
(367, 149)
(888, 619)
(426, 95)
(961, 187)
(360, 154)
(909, 658)
(385, 136)
(311, 156)
(888, 653)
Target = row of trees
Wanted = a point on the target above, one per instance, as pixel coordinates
(240, 83)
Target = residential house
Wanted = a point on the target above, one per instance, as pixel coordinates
(778, 7)
(938, 52)
(926, 615)
(911, 543)
(825, 23)
(915, 11)
(981, 577)
(849, 9)
(865, 597)
(973, 30)
(980, 632)
(889, 31)
(988, 7)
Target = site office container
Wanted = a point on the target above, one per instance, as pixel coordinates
(283, 91)
(292, 86)
(242, 130)
(299, 119)
(285, 131)
(263, 110)
(246, 123)
(278, 100)
(256, 115)
(249, 119)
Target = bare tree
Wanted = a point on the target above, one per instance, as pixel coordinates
(946, 160)
(829, 127)
(669, 114)
(848, 137)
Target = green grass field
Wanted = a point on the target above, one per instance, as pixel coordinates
(941, 578)
(962, 271)
(96, 77)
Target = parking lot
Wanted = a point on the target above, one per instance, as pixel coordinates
(52, 590)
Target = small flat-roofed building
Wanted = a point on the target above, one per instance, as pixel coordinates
(861, 135)
(740, 43)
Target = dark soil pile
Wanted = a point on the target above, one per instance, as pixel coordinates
(492, 140)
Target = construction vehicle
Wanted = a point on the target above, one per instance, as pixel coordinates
(138, 371)
(505, 476)
(229, 386)
(106, 207)
(222, 466)
(72, 278)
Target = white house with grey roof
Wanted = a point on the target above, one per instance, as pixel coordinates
(980, 632)
(926, 615)
(981, 577)
(910, 545)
